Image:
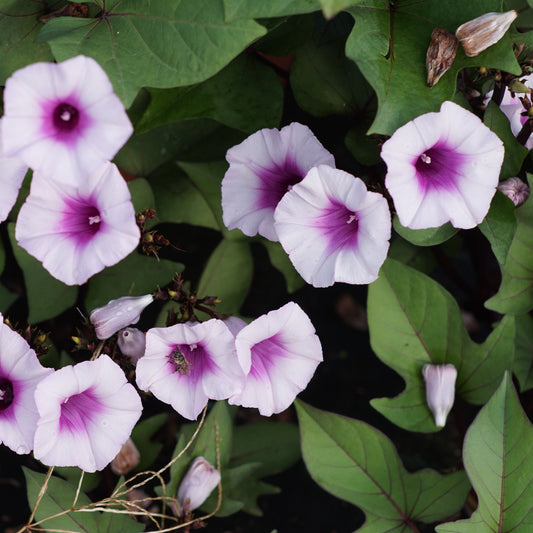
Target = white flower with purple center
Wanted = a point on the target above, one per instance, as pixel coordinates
(20, 372)
(86, 413)
(63, 119)
(76, 231)
(12, 172)
(279, 353)
(188, 364)
(333, 228)
(443, 167)
(262, 169)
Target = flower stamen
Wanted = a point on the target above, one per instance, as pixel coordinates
(425, 158)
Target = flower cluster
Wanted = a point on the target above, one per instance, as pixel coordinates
(284, 186)
(65, 122)
(264, 364)
(79, 415)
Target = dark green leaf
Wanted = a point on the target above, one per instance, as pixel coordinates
(142, 196)
(189, 140)
(357, 463)
(389, 43)
(59, 497)
(134, 276)
(118, 523)
(425, 237)
(142, 437)
(47, 297)
(523, 359)
(516, 290)
(515, 153)
(246, 95)
(499, 226)
(364, 148)
(413, 321)
(280, 260)
(153, 44)
(228, 275)
(252, 9)
(497, 457)
(19, 24)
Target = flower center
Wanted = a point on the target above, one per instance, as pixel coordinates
(352, 218)
(6, 393)
(425, 158)
(180, 362)
(66, 117)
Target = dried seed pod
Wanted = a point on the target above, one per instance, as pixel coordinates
(478, 34)
(440, 55)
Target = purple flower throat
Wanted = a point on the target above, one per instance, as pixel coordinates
(65, 117)
(6, 393)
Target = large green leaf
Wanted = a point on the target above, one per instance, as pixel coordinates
(516, 290)
(19, 24)
(515, 153)
(413, 321)
(499, 226)
(497, 457)
(59, 497)
(189, 140)
(134, 276)
(523, 359)
(389, 43)
(424, 237)
(228, 275)
(161, 43)
(324, 81)
(357, 463)
(246, 95)
(47, 297)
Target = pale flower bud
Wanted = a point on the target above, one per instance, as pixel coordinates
(127, 459)
(440, 390)
(118, 314)
(132, 342)
(197, 484)
(515, 189)
(478, 34)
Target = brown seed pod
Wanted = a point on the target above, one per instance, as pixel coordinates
(478, 34)
(440, 55)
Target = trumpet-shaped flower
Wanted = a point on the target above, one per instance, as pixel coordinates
(76, 231)
(12, 172)
(187, 364)
(440, 390)
(262, 169)
(86, 414)
(63, 119)
(333, 228)
(443, 167)
(279, 353)
(118, 314)
(20, 372)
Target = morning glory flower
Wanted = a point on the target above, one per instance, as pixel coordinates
(20, 372)
(117, 314)
(443, 167)
(333, 229)
(12, 172)
(86, 413)
(279, 353)
(185, 365)
(63, 119)
(261, 170)
(76, 231)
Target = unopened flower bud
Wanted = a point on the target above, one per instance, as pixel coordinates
(197, 484)
(440, 55)
(118, 314)
(515, 189)
(132, 342)
(440, 390)
(516, 86)
(127, 459)
(478, 34)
